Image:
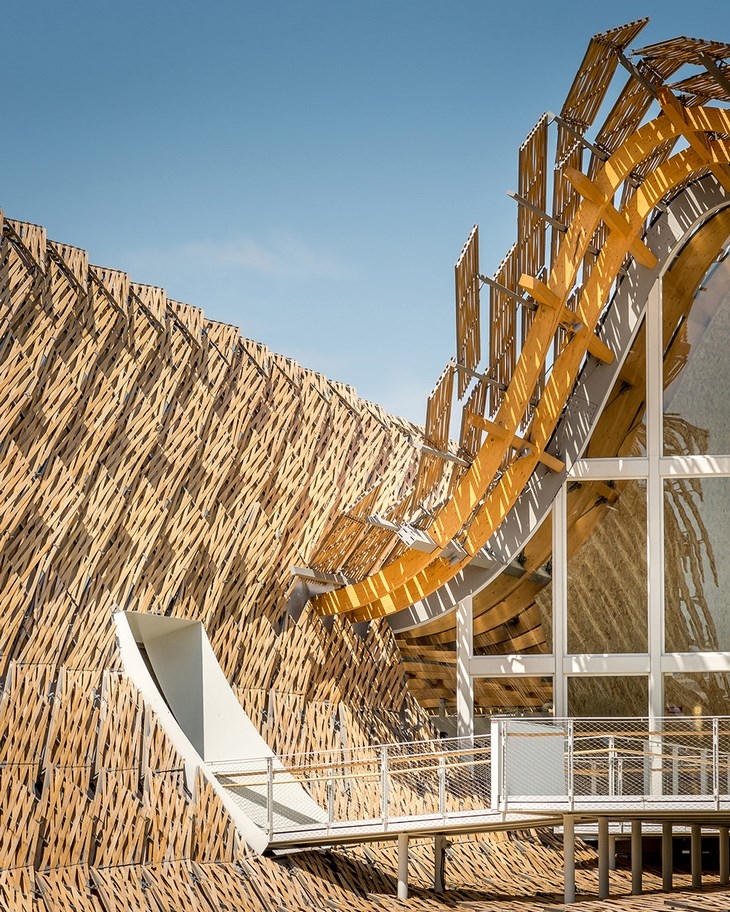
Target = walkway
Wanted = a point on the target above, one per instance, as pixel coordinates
(525, 773)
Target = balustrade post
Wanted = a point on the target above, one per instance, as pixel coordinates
(330, 797)
(384, 785)
(716, 762)
(503, 750)
(571, 765)
(270, 796)
(656, 769)
(611, 766)
(495, 758)
(442, 785)
(620, 781)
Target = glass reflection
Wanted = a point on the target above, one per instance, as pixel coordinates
(696, 326)
(697, 564)
(514, 696)
(697, 694)
(621, 429)
(607, 567)
(513, 614)
(608, 696)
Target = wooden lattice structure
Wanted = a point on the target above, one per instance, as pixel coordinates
(544, 311)
(157, 460)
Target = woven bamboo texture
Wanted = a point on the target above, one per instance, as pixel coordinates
(157, 460)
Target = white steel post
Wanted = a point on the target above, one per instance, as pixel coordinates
(270, 796)
(384, 785)
(496, 759)
(560, 603)
(716, 762)
(611, 766)
(571, 764)
(464, 680)
(655, 502)
(442, 785)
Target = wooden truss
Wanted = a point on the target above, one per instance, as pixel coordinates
(545, 313)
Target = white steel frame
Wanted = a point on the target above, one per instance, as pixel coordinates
(561, 665)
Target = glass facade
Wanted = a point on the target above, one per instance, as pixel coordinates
(626, 599)
(697, 693)
(515, 695)
(520, 621)
(634, 608)
(617, 695)
(697, 564)
(696, 365)
(607, 581)
(621, 429)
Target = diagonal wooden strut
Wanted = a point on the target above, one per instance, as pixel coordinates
(415, 576)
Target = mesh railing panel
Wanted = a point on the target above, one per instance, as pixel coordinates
(544, 762)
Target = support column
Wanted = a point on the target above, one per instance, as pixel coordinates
(636, 859)
(655, 505)
(439, 860)
(667, 856)
(402, 865)
(464, 680)
(560, 603)
(603, 858)
(724, 853)
(569, 859)
(696, 854)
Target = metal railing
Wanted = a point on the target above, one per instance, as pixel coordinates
(375, 784)
(542, 764)
(582, 762)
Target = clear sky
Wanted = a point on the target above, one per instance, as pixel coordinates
(305, 170)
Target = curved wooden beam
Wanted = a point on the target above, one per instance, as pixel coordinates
(417, 574)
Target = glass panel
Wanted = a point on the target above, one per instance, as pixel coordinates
(697, 694)
(607, 588)
(493, 696)
(621, 429)
(514, 613)
(697, 564)
(696, 327)
(514, 695)
(608, 696)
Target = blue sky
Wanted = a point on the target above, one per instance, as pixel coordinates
(306, 171)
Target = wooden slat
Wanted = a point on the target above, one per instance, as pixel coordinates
(406, 580)
(468, 316)
(503, 327)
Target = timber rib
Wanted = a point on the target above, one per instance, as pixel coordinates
(476, 497)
